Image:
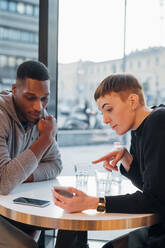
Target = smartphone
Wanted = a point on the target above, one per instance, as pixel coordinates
(63, 191)
(31, 202)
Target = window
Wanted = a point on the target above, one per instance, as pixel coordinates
(82, 55)
(19, 61)
(156, 61)
(11, 61)
(29, 9)
(82, 42)
(12, 6)
(18, 42)
(21, 8)
(139, 64)
(3, 60)
(113, 69)
(36, 11)
(3, 5)
(18, 35)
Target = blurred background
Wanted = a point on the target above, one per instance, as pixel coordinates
(95, 38)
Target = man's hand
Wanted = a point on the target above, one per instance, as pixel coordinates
(47, 125)
(30, 179)
(79, 202)
(47, 128)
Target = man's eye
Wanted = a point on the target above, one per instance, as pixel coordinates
(30, 98)
(44, 99)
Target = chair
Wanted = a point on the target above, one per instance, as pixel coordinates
(36, 236)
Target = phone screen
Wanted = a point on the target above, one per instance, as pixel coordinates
(63, 191)
(31, 201)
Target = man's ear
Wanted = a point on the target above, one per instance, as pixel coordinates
(133, 100)
(14, 89)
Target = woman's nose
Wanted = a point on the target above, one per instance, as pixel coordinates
(106, 119)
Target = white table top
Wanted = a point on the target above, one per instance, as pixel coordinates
(56, 218)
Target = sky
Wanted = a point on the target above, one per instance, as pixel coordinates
(92, 30)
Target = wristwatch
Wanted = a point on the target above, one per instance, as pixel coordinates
(101, 205)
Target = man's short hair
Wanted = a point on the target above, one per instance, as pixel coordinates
(32, 69)
(123, 84)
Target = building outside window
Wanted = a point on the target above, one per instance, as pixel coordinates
(18, 37)
(82, 48)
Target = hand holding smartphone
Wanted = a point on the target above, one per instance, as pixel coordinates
(63, 191)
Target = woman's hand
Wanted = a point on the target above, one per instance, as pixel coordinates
(79, 202)
(111, 159)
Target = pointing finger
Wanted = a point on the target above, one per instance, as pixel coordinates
(109, 156)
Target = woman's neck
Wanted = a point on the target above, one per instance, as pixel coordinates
(141, 114)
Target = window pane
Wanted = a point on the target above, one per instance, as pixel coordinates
(21, 8)
(145, 46)
(90, 48)
(12, 6)
(3, 5)
(17, 42)
(11, 61)
(36, 11)
(29, 10)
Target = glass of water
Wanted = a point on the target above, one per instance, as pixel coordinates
(103, 182)
(81, 172)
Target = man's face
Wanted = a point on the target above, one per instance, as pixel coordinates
(117, 113)
(31, 97)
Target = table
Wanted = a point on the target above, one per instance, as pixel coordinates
(55, 218)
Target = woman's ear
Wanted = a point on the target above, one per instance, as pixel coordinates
(133, 100)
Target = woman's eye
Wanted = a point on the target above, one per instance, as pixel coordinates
(109, 110)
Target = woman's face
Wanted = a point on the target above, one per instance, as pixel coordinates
(117, 113)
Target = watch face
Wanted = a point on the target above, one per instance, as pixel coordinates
(101, 208)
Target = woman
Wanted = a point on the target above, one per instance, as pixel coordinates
(121, 100)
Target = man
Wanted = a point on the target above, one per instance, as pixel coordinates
(28, 150)
(120, 99)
